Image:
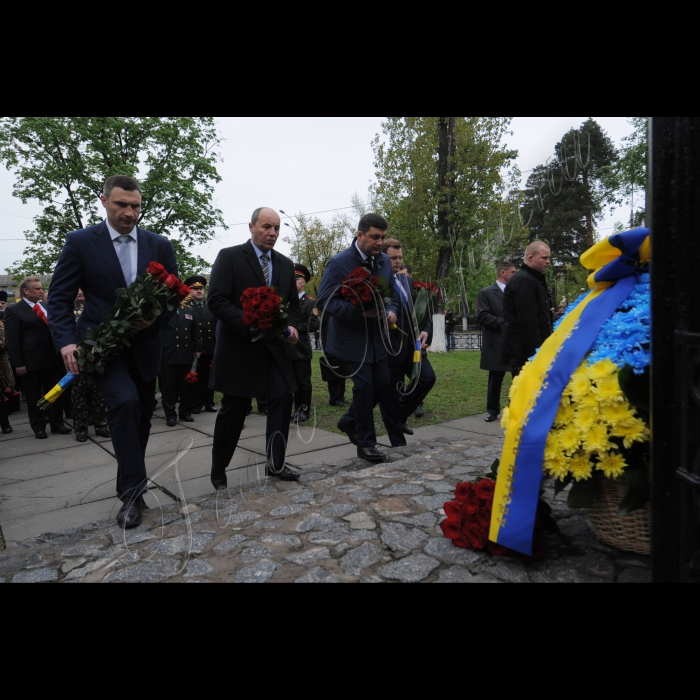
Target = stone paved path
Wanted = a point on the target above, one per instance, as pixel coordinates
(344, 523)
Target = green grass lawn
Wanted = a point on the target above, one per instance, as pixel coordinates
(460, 392)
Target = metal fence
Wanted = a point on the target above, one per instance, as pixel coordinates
(469, 341)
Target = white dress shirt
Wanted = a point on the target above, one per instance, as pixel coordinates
(501, 285)
(133, 248)
(32, 305)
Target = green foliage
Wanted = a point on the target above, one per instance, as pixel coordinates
(62, 162)
(565, 198)
(440, 179)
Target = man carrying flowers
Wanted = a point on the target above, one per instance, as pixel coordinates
(102, 260)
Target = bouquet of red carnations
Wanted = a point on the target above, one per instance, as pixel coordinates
(365, 291)
(265, 312)
(149, 297)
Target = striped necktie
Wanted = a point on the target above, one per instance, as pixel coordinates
(265, 259)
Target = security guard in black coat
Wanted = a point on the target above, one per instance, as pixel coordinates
(206, 322)
(308, 325)
(181, 343)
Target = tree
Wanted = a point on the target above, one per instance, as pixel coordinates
(63, 162)
(315, 242)
(439, 179)
(565, 198)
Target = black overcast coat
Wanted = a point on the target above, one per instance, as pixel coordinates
(528, 317)
(491, 318)
(240, 365)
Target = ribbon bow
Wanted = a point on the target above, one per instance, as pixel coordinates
(536, 403)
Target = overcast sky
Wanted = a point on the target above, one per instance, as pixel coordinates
(308, 164)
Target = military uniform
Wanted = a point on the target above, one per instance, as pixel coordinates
(308, 325)
(87, 402)
(181, 342)
(206, 324)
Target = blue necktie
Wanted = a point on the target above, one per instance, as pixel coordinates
(125, 257)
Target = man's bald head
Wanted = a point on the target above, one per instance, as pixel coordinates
(538, 256)
(265, 228)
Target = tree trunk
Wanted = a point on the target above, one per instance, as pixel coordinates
(446, 153)
(589, 215)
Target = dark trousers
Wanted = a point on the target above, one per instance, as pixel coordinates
(333, 372)
(172, 386)
(204, 396)
(372, 386)
(130, 401)
(409, 402)
(303, 373)
(36, 384)
(231, 421)
(495, 389)
(87, 401)
(336, 390)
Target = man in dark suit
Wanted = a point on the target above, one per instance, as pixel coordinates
(308, 322)
(100, 260)
(206, 324)
(181, 344)
(406, 399)
(34, 357)
(490, 317)
(359, 338)
(527, 309)
(244, 369)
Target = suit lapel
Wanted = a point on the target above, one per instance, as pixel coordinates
(145, 252)
(105, 246)
(255, 263)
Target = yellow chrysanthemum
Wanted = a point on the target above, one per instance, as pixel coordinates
(581, 467)
(570, 439)
(580, 387)
(613, 465)
(603, 370)
(517, 381)
(566, 414)
(557, 468)
(631, 432)
(597, 440)
(608, 391)
(585, 418)
(618, 413)
(590, 401)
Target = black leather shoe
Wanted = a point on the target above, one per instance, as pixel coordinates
(491, 418)
(419, 412)
(219, 485)
(407, 430)
(131, 514)
(41, 435)
(81, 437)
(6, 429)
(61, 431)
(371, 454)
(186, 419)
(172, 422)
(103, 433)
(285, 475)
(197, 411)
(214, 409)
(349, 431)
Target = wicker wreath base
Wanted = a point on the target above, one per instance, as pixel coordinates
(629, 534)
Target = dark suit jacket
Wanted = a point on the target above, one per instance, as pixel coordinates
(90, 262)
(404, 352)
(181, 338)
(240, 365)
(351, 337)
(528, 316)
(490, 316)
(29, 340)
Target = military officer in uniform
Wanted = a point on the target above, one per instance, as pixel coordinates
(206, 323)
(181, 344)
(308, 325)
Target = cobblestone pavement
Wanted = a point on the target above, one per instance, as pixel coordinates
(344, 523)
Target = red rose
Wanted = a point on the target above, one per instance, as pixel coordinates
(264, 291)
(366, 296)
(453, 510)
(462, 542)
(183, 292)
(497, 550)
(156, 269)
(463, 491)
(452, 529)
(374, 281)
(248, 319)
(264, 325)
(266, 307)
(250, 293)
(172, 282)
(259, 315)
(486, 490)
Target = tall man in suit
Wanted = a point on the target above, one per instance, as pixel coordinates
(100, 260)
(359, 338)
(244, 369)
(490, 316)
(34, 357)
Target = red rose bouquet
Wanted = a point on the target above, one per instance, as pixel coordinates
(152, 295)
(468, 521)
(265, 312)
(365, 291)
(193, 376)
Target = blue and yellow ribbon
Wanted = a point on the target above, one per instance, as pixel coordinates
(56, 393)
(534, 407)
